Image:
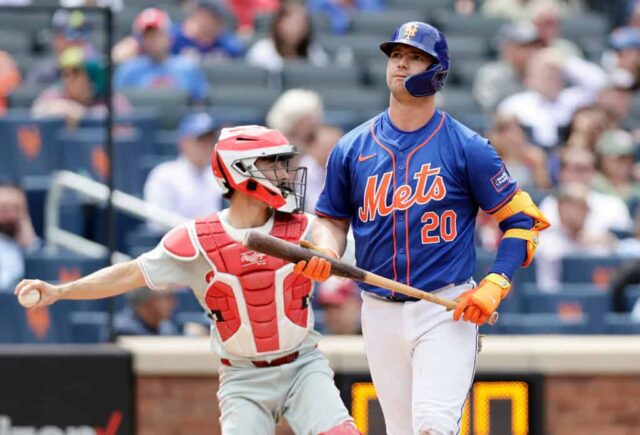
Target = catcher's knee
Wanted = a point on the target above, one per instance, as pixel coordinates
(345, 428)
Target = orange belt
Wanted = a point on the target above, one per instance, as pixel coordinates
(276, 362)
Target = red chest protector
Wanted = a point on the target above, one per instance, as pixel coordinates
(260, 278)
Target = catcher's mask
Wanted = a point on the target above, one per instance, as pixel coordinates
(275, 183)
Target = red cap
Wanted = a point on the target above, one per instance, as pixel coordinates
(336, 290)
(151, 18)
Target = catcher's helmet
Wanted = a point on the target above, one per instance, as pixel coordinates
(430, 40)
(234, 167)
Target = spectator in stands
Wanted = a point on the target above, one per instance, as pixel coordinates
(617, 98)
(616, 152)
(520, 10)
(68, 29)
(10, 78)
(156, 67)
(587, 125)
(315, 160)
(545, 15)
(547, 106)
(17, 236)
(340, 302)
(82, 91)
(503, 77)
(202, 34)
(185, 185)
(340, 12)
(526, 162)
(606, 212)
(298, 114)
(149, 314)
(622, 61)
(569, 235)
(290, 38)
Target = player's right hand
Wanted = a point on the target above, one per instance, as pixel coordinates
(48, 293)
(317, 269)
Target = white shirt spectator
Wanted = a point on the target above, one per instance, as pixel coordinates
(184, 188)
(544, 115)
(606, 213)
(11, 263)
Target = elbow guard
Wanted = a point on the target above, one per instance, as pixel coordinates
(522, 203)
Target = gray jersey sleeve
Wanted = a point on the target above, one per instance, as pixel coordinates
(162, 271)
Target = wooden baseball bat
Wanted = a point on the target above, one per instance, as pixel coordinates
(293, 253)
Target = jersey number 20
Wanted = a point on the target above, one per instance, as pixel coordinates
(445, 223)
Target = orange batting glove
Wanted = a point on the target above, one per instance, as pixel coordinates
(318, 269)
(478, 304)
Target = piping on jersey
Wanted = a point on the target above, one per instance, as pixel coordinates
(406, 217)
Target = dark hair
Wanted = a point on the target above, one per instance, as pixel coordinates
(302, 50)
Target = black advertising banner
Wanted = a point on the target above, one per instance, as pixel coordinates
(66, 390)
(497, 404)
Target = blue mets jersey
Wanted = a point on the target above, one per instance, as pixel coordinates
(412, 197)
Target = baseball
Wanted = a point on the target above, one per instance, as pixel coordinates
(29, 299)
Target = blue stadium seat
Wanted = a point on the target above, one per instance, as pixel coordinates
(571, 301)
(589, 269)
(233, 116)
(305, 74)
(382, 24)
(617, 323)
(234, 72)
(89, 327)
(9, 317)
(50, 324)
(539, 323)
(631, 296)
(60, 265)
(84, 153)
(187, 301)
(28, 146)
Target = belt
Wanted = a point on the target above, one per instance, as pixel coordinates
(401, 298)
(274, 363)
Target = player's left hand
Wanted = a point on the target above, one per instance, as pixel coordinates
(478, 304)
(317, 269)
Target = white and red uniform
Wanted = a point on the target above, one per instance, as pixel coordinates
(262, 326)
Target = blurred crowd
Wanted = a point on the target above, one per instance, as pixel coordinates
(562, 113)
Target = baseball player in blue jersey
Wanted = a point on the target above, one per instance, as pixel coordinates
(410, 182)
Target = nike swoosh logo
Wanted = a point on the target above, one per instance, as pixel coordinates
(362, 158)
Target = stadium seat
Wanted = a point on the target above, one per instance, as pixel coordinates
(464, 48)
(50, 324)
(631, 297)
(619, 323)
(362, 47)
(232, 116)
(429, 6)
(9, 316)
(24, 96)
(89, 327)
(169, 104)
(13, 41)
(305, 74)
(57, 265)
(571, 301)
(221, 73)
(31, 145)
(84, 152)
(538, 323)
(252, 97)
(589, 269)
(376, 73)
(457, 100)
(478, 25)
(383, 23)
(578, 26)
(463, 71)
(365, 101)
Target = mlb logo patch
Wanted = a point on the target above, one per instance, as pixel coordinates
(501, 179)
